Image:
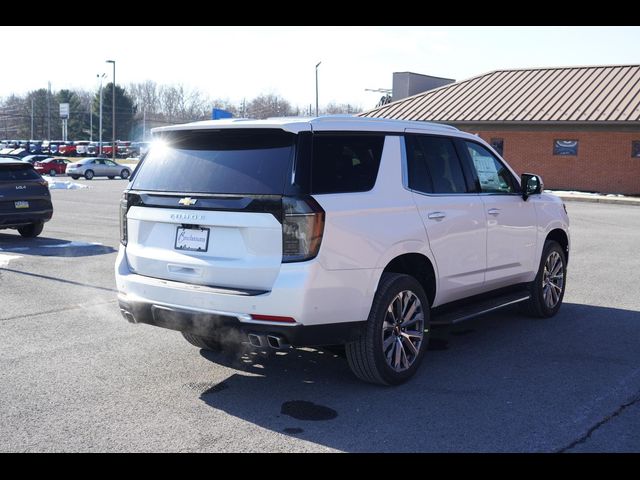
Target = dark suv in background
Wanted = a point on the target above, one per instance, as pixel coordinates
(25, 201)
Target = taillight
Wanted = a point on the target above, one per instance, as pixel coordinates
(124, 208)
(302, 229)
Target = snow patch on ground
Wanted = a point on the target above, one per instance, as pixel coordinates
(574, 192)
(71, 244)
(6, 258)
(55, 184)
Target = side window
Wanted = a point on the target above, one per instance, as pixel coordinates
(493, 175)
(434, 166)
(345, 163)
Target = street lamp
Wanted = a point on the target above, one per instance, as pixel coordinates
(113, 112)
(100, 126)
(317, 65)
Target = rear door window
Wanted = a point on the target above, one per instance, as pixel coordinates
(345, 163)
(434, 166)
(233, 161)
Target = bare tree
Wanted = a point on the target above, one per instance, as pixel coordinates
(268, 105)
(338, 108)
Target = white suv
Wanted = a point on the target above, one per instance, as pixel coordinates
(333, 231)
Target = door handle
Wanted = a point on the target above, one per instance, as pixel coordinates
(436, 215)
(494, 211)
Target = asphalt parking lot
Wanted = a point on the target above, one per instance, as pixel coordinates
(75, 376)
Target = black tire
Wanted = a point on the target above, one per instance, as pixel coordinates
(205, 343)
(52, 172)
(366, 354)
(111, 177)
(537, 306)
(75, 177)
(32, 230)
(89, 174)
(124, 174)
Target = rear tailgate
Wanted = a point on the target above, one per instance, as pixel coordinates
(206, 208)
(239, 249)
(22, 192)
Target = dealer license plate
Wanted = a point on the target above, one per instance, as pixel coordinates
(194, 239)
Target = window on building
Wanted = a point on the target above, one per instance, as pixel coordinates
(635, 149)
(498, 145)
(434, 166)
(492, 174)
(565, 147)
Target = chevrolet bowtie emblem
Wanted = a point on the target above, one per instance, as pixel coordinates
(187, 201)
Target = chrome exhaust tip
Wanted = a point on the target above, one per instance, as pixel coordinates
(276, 341)
(128, 316)
(257, 341)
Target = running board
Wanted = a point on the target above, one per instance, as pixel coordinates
(448, 315)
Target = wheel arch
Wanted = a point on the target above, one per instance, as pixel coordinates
(560, 236)
(418, 266)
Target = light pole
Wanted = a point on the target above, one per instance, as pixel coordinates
(317, 65)
(100, 125)
(113, 112)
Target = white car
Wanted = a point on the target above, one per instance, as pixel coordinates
(333, 231)
(97, 167)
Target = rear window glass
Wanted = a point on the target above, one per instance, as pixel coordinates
(17, 173)
(247, 161)
(345, 163)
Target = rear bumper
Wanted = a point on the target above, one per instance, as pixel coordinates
(220, 325)
(327, 306)
(11, 220)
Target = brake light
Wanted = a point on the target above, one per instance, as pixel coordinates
(302, 229)
(126, 201)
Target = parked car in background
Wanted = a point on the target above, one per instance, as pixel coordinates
(97, 167)
(139, 149)
(35, 158)
(81, 147)
(35, 146)
(8, 156)
(51, 166)
(94, 149)
(67, 149)
(124, 149)
(54, 146)
(25, 201)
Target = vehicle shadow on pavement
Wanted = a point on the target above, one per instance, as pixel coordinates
(500, 382)
(51, 247)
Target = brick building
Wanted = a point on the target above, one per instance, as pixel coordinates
(578, 127)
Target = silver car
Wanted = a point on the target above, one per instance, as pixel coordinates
(97, 167)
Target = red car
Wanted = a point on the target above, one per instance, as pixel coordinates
(51, 166)
(68, 149)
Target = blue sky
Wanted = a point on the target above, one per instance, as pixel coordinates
(237, 62)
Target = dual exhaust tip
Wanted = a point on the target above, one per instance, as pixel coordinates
(263, 341)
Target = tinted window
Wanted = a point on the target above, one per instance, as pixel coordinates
(492, 174)
(345, 163)
(17, 173)
(434, 166)
(251, 161)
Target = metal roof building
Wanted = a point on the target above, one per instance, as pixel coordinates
(566, 123)
(572, 94)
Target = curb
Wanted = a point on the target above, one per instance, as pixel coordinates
(597, 199)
